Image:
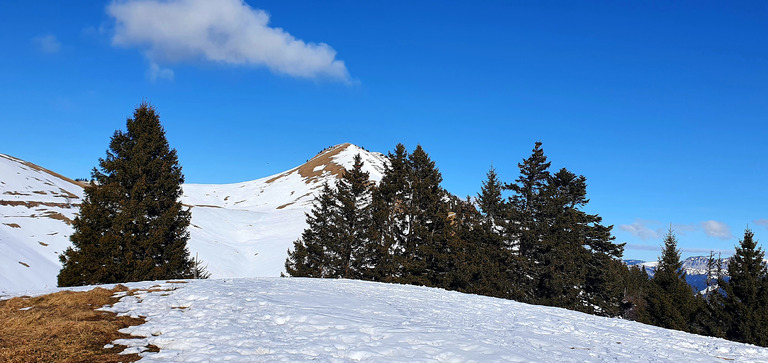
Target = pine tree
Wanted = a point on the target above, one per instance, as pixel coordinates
(745, 302)
(489, 199)
(526, 202)
(350, 250)
(390, 208)
(670, 301)
(309, 257)
(132, 225)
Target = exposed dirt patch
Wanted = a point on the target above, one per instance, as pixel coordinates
(42, 243)
(28, 204)
(23, 264)
(40, 192)
(57, 216)
(16, 193)
(311, 171)
(12, 225)
(64, 327)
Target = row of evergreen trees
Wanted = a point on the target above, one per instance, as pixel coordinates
(735, 308)
(536, 246)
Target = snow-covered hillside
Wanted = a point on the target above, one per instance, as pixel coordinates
(291, 319)
(36, 209)
(238, 230)
(245, 229)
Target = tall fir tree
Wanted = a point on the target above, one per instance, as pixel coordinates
(350, 252)
(670, 302)
(526, 202)
(490, 200)
(390, 216)
(525, 209)
(745, 295)
(309, 257)
(132, 225)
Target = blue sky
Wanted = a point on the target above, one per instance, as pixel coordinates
(661, 105)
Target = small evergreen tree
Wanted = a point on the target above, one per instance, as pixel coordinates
(671, 302)
(132, 225)
(489, 199)
(745, 302)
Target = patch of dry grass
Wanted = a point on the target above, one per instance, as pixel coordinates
(63, 327)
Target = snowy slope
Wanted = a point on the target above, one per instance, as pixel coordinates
(238, 230)
(291, 319)
(36, 209)
(245, 229)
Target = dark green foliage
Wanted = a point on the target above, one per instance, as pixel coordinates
(308, 258)
(349, 254)
(636, 285)
(670, 302)
(489, 199)
(539, 246)
(745, 302)
(337, 242)
(131, 225)
(526, 204)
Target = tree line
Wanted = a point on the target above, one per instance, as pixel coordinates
(537, 246)
(733, 307)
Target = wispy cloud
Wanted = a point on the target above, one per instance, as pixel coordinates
(717, 229)
(155, 72)
(47, 43)
(761, 222)
(223, 31)
(640, 228)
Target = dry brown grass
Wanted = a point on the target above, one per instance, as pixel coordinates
(12, 225)
(325, 158)
(63, 327)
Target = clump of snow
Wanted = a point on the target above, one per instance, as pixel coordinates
(291, 319)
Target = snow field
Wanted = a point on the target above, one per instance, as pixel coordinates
(293, 319)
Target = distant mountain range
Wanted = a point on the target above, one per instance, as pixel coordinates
(695, 269)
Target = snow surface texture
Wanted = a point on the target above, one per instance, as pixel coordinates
(292, 319)
(36, 206)
(238, 230)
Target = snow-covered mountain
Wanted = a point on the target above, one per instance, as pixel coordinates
(238, 230)
(695, 268)
(329, 320)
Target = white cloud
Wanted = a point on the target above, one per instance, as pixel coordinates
(640, 229)
(155, 72)
(47, 43)
(717, 229)
(223, 31)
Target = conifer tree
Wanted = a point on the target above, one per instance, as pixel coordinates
(132, 225)
(489, 199)
(670, 301)
(745, 301)
(349, 252)
(390, 216)
(526, 202)
(309, 257)
(428, 240)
